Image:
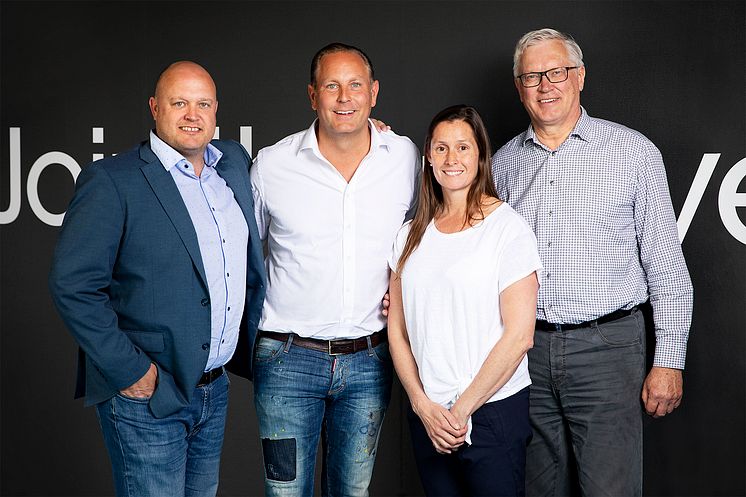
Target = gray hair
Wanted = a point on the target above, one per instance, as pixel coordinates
(547, 34)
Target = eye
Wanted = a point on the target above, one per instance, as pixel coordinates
(555, 73)
(332, 86)
(531, 77)
(204, 105)
(356, 85)
(463, 147)
(440, 149)
(179, 104)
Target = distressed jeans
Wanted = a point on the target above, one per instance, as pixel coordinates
(301, 395)
(586, 411)
(178, 455)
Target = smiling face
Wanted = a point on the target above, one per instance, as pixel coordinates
(553, 107)
(454, 156)
(343, 94)
(184, 109)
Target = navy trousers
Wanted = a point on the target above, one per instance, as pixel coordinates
(495, 463)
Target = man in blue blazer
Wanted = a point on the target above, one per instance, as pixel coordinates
(158, 274)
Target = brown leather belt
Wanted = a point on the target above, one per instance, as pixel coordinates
(545, 326)
(331, 347)
(210, 376)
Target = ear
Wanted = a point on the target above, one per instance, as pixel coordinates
(374, 93)
(153, 104)
(581, 77)
(216, 107)
(312, 96)
(518, 87)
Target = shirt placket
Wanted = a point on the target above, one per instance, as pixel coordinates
(348, 252)
(547, 236)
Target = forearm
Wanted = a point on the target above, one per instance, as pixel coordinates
(498, 368)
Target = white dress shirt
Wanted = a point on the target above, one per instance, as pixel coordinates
(328, 240)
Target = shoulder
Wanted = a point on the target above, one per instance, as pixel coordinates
(509, 152)
(620, 135)
(230, 148)
(281, 151)
(398, 143)
(509, 221)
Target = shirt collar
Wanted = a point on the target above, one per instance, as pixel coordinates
(170, 157)
(310, 141)
(582, 129)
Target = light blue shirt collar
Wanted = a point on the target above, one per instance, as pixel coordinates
(170, 157)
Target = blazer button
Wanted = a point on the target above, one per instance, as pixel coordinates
(204, 302)
(205, 346)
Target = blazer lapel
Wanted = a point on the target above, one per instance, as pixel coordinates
(170, 199)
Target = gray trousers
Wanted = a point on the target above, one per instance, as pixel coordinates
(586, 411)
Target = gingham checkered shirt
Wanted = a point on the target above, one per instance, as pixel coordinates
(606, 230)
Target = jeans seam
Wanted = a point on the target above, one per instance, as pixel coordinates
(119, 445)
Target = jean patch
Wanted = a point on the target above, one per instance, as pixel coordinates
(279, 458)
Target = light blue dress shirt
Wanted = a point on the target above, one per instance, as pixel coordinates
(223, 237)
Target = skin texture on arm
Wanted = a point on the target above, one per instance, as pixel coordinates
(518, 309)
(442, 427)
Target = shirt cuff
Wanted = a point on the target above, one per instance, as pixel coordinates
(670, 353)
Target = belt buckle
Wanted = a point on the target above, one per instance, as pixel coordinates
(329, 349)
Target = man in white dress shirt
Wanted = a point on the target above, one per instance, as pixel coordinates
(329, 202)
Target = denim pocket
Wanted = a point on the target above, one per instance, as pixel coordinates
(136, 400)
(381, 353)
(267, 349)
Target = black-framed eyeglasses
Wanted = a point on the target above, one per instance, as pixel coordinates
(555, 75)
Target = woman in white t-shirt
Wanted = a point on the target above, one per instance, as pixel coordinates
(461, 318)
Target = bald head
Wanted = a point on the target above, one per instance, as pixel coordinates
(183, 69)
(184, 109)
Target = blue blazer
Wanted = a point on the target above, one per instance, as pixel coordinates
(128, 280)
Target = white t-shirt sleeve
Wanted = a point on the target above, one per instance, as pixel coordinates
(519, 257)
(399, 242)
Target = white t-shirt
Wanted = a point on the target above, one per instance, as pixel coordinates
(451, 288)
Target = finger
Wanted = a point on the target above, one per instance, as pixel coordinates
(451, 420)
(651, 406)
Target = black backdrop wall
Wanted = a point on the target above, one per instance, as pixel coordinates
(75, 81)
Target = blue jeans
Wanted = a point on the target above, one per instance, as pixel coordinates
(493, 465)
(301, 395)
(178, 455)
(586, 411)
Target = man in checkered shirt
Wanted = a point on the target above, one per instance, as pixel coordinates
(596, 196)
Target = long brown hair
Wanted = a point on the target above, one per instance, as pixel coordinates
(430, 201)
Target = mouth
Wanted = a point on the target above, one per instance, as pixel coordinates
(344, 112)
(547, 100)
(453, 172)
(190, 129)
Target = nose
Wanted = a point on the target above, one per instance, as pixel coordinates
(451, 157)
(544, 83)
(191, 113)
(342, 95)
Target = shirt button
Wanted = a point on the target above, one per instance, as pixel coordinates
(229, 308)
(204, 302)
(223, 240)
(549, 275)
(228, 275)
(550, 213)
(551, 181)
(205, 346)
(549, 244)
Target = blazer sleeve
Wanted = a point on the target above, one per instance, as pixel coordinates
(81, 275)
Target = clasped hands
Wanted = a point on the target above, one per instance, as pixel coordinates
(446, 428)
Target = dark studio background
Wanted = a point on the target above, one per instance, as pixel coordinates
(676, 71)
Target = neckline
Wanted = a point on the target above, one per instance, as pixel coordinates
(467, 230)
